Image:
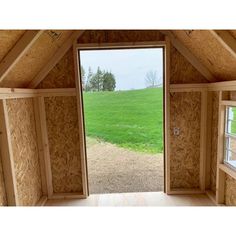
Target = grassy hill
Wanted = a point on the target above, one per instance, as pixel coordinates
(131, 119)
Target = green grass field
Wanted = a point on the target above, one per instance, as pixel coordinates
(130, 119)
(233, 127)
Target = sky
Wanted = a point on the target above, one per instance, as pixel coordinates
(129, 66)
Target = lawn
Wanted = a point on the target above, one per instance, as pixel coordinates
(130, 119)
(233, 123)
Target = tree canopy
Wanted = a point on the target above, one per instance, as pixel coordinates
(100, 81)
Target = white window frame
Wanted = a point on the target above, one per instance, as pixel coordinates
(227, 136)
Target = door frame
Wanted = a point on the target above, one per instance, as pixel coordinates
(166, 100)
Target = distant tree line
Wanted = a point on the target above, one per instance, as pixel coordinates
(99, 81)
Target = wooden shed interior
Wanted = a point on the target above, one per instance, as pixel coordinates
(41, 119)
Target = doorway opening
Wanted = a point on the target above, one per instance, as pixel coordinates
(123, 99)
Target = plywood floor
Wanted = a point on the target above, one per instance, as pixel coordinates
(136, 199)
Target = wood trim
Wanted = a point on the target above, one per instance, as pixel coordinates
(218, 86)
(188, 87)
(228, 103)
(203, 140)
(167, 116)
(40, 146)
(83, 156)
(189, 56)
(220, 177)
(20, 48)
(222, 86)
(226, 40)
(185, 191)
(56, 92)
(211, 195)
(10, 93)
(209, 140)
(220, 187)
(228, 170)
(45, 145)
(7, 157)
(42, 201)
(120, 45)
(48, 66)
(67, 196)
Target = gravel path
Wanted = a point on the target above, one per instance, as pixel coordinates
(112, 169)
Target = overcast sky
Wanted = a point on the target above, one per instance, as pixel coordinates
(129, 66)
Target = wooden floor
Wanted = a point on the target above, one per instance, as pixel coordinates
(136, 199)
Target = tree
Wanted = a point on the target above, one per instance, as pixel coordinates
(109, 82)
(89, 76)
(152, 79)
(83, 78)
(96, 81)
(100, 81)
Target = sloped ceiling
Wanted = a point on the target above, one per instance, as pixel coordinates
(8, 38)
(233, 32)
(210, 52)
(203, 44)
(35, 57)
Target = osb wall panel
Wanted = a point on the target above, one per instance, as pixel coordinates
(214, 139)
(3, 200)
(185, 148)
(233, 32)
(181, 71)
(230, 191)
(35, 58)
(63, 137)
(25, 150)
(62, 75)
(210, 52)
(112, 36)
(8, 39)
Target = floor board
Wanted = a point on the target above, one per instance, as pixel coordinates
(136, 199)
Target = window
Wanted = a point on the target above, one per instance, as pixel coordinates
(230, 136)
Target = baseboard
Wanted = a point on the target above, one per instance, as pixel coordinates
(185, 191)
(67, 196)
(212, 196)
(42, 201)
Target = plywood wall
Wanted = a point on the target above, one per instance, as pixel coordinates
(3, 200)
(63, 129)
(185, 148)
(62, 75)
(181, 71)
(25, 150)
(230, 191)
(63, 137)
(112, 36)
(214, 140)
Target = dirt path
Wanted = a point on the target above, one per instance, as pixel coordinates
(113, 169)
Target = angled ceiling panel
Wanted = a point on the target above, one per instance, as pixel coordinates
(8, 38)
(182, 71)
(210, 52)
(233, 32)
(32, 62)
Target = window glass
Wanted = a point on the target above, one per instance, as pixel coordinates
(230, 136)
(231, 120)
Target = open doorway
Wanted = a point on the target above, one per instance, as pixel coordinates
(123, 112)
